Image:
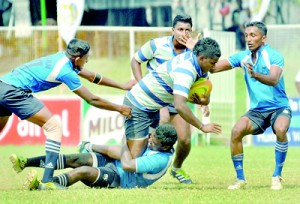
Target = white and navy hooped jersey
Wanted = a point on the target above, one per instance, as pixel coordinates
(262, 97)
(44, 73)
(151, 166)
(156, 51)
(158, 87)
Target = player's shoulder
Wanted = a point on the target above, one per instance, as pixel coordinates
(240, 54)
(160, 41)
(271, 50)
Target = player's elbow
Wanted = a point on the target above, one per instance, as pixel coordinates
(94, 100)
(273, 82)
(128, 166)
(179, 107)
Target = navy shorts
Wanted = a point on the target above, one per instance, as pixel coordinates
(138, 126)
(108, 176)
(18, 101)
(262, 120)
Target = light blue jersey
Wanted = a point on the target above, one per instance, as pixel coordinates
(151, 166)
(157, 88)
(262, 97)
(156, 51)
(44, 73)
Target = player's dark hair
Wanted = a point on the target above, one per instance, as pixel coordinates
(167, 134)
(260, 25)
(207, 47)
(183, 19)
(77, 48)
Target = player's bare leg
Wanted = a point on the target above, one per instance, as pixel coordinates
(86, 174)
(53, 131)
(242, 128)
(19, 163)
(182, 149)
(137, 146)
(281, 147)
(164, 115)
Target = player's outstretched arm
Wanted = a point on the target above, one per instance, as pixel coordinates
(101, 80)
(186, 113)
(127, 86)
(101, 103)
(220, 66)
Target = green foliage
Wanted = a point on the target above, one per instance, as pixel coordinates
(210, 168)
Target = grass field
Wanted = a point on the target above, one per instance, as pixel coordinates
(209, 166)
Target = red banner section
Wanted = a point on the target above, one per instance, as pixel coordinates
(20, 132)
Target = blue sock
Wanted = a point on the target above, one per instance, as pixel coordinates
(280, 155)
(238, 165)
(52, 152)
(62, 179)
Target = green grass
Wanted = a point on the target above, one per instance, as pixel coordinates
(209, 166)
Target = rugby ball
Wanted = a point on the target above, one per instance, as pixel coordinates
(200, 87)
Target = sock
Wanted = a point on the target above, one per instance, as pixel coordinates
(36, 161)
(280, 155)
(62, 179)
(40, 162)
(52, 151)
(61, 162)
(238, 165)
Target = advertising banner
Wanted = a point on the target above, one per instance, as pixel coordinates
(269, 138)
(103, 126)
(20, 132)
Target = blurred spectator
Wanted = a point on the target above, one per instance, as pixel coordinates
(35, 11)
(258, 9)
(95, 12)
(178, 8)
(5, 8)
(240, 16)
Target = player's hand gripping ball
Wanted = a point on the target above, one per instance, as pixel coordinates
(200, 87)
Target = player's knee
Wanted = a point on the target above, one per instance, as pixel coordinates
(281, 133)
(186, 140)
(84, 171)
(53, 128)
(236, 134)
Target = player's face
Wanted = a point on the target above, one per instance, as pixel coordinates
(207, 63)
(181, 29)
(80, 61)
(154, 143)
(254, 38)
